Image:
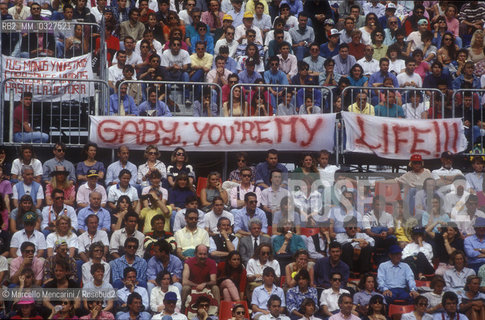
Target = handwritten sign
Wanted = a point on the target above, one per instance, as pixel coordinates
(308, 132)
(399, 138)
(38, 71)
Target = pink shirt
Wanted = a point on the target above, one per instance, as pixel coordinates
(453, 26)
(37, 267)
(68, 193)
(422, 69)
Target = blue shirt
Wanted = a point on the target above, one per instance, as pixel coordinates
(155, 266)
(128, 104)
(379, 77)
(294, 297)
(119, 265)
(141, 316)
(444, 316)
(263, 173)
(323, 270)
(275, 78)
(103, 215)
(343, 66)
(244, 77)
(471, 243)
(241, 220)
(390, 276)
(316, 95)
(458, 82)
(114, 170)
(394, 111)
(261, 296)
(338, 213)
(161, 109)
(326, 53)
(296, 6)
(296, 243)
(208, 39)
(123, 294)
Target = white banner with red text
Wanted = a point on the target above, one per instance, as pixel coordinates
(399, 138)
(285, 133)
(38, 71)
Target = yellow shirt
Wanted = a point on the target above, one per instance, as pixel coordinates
(205, 62)
(148, 213)
(369, 109)
(187, 239)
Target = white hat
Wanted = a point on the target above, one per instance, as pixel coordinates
(334, 32)
(391, 5)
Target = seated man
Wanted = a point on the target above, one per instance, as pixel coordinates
(331, 264)
(356, 243)
(263, 170)
(27, 260)
(163, 260)
(28, 186)
(238, 192)
(189, 237)
(248, 243)
(250, 211)
(153, 107)
(50, 214)
(475, 245)
(191, 202)
(99, 282)
(330, 297)
(129, 259)
(92, 235)
(169, 303)
(264, 295)
(61, 252)
(121, 103)
(200, 272)
(94, 208)
(224, 241)
(395, 278)
(28, 234)
(135, 307)
(22, 128)
(131, 285)
(450, 306)
(85, 190)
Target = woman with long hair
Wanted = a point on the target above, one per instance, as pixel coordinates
(476, 50)
(455, 278)
(356, 77)
(26, 158)
(238, 107)
(370, 25)
(308, 164)
(89, 163)
(434, 215)
(59, 181)
(447, 239)
(439, 28)
(16, 221)
(307, 309)
(213, 189)
(179, 192)
(376, 309)
(173, 21)
(176, 33)
(259, 105)
(67, 312)
(153, 26)
(301, 262)
(286, 210)
(164, 285)
(367, 286)
(448, 51)
(123, 205)
(252, 52)
(151, 155)
(63, 232)
(179, 164)
(262, 258)
(232, 277)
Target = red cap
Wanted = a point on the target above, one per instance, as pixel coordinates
(416, 157)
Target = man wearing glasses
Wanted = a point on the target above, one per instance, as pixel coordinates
(191, 235)
(51, 213)
(175, 64)
(27, 260)
(238, 192)
(351, 241)
(129, 259)
(58, 160)
(450, 304)
(246, 214)
(227, 40)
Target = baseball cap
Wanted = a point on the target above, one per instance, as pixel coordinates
(447, 155)
(227, 17)
(59, 243)
(329, 21)
(395, 249)
(93, 173)
(391, 5)
(422, 21)
(334, 32)
(30, 216)
(248, 15)
(416, 157)
(26, 300)
(170, 296)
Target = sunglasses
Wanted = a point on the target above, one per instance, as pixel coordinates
(246, 175)
(230, 33)
(422, 304)
(265, 253)
(336, 279)
(59, 198)
(253, 201)
(202, 29)
(29, 251)
(180, 154)
(304, 69)
(60, 150)
(176, 44)
(131, 247)
(65, 303)
(152, 153)
(240, 313)
(392, 22)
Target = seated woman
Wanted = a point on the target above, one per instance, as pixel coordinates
(26, 309)
(296, 296)
(63, 233)
(455, 278)
(472, 301)
(179, 192)
(238, 107)
(367, 286)
(447, 241)
(307, 309)
(419, 313)
(262, 258)
(436, 296)
(286, 210)
(435, 214)
(59, 181)
(16, 216)
(418, 254)
(89, 163)
(60, 282)
(123, 205)
(231, 277)
(179, 163)
(288, 242)
(376, 309)
(260, 106)
(152, 164)
(67, 312)
(301, 262)
(213, 189)
(164, 285)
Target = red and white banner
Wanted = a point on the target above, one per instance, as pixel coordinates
(37, 72)
(307, 132)
(399, 138)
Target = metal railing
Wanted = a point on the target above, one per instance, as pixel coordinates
(279, 99)
(175, 95)
(467, 104)
(64, 118)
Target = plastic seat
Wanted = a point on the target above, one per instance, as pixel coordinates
(308, 231)
(225, 309)
(201, 184)
(421, 283)
(396, 311)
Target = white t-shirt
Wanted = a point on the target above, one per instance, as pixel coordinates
(53, 237)
(17, 167)
(211, 219)
(403, 77)
(397, 66)
(168, 59)
(413, 113)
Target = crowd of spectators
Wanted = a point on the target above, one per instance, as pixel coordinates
(166, 248)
